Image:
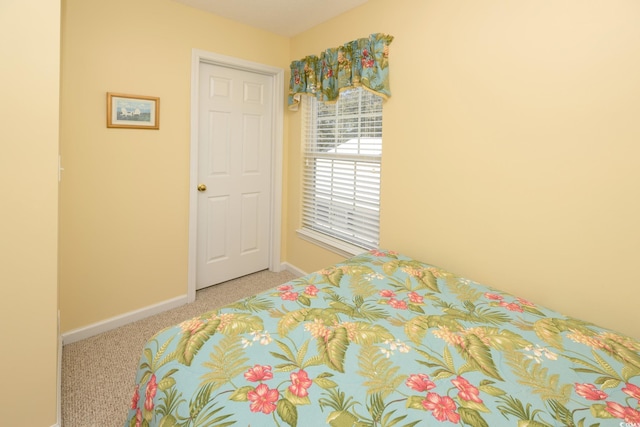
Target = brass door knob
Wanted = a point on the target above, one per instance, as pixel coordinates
(202, 187)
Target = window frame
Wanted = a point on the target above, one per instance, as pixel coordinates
(343, 146)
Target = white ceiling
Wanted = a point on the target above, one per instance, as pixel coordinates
(284, 17)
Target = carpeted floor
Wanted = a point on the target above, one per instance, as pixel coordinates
(98, 372)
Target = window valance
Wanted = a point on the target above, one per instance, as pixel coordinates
(362, 62)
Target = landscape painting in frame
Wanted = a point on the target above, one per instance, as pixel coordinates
(133, 111)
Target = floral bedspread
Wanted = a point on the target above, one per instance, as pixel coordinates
(384, 340)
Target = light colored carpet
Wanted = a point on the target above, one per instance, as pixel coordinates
(98, 373)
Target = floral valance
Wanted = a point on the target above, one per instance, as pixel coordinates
(363, 62)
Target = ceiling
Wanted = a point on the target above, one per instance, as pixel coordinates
(283, 17)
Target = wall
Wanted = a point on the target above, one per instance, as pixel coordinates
(510, 146)
(30, 79)
(124, 195)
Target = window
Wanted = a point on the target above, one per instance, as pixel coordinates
(341, 179)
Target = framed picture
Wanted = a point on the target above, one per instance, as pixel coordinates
(132, 111)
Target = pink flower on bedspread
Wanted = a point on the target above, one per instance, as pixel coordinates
(468, 391)
(387, 293)
(259, 373)
(415, 298)
(284, 288)
(420, 382)
(300, 382)
(633, 391)
(627, 413)
(138, 418)
(136, 397)
(525, 302)
(311, 290)
(400, 305)
(263, 399)
(497, 297)
(511, 306)
(152, 388)
(590, 392)
(443, 407)
(289, 296)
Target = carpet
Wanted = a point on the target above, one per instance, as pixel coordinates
(98, 373)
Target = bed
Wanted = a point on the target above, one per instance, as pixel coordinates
(385, 340)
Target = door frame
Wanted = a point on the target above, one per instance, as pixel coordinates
(277, 75)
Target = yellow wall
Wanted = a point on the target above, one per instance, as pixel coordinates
(511, 146)
(29, 76)
(509, 151)
(124, 194)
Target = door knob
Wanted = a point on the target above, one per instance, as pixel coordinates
(202, 187)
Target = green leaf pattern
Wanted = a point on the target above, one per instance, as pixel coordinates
(384, 340)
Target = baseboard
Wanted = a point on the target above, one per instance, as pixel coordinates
(292, 269)
(124, 319)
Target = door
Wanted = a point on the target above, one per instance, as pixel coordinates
(234, 173)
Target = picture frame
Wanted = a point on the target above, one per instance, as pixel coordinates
(132, 111)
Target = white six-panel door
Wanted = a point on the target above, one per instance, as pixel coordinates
(234, 164)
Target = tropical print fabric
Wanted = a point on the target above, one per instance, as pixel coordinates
(363, 62)
(384, 340)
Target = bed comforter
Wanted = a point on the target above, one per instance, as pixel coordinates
(385, 340)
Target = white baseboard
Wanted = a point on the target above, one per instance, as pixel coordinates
(124, 319)
(292, 269)
(121, 320)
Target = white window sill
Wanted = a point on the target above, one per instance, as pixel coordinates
(334, 245)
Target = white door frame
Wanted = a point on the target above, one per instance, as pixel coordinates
(277, 74)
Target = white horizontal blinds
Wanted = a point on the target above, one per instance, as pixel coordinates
(341, 188)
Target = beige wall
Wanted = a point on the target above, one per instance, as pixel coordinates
(124, 194)
(29, 75)
(510, 157)
(511, 146)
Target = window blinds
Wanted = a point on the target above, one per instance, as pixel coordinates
(341, 181)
